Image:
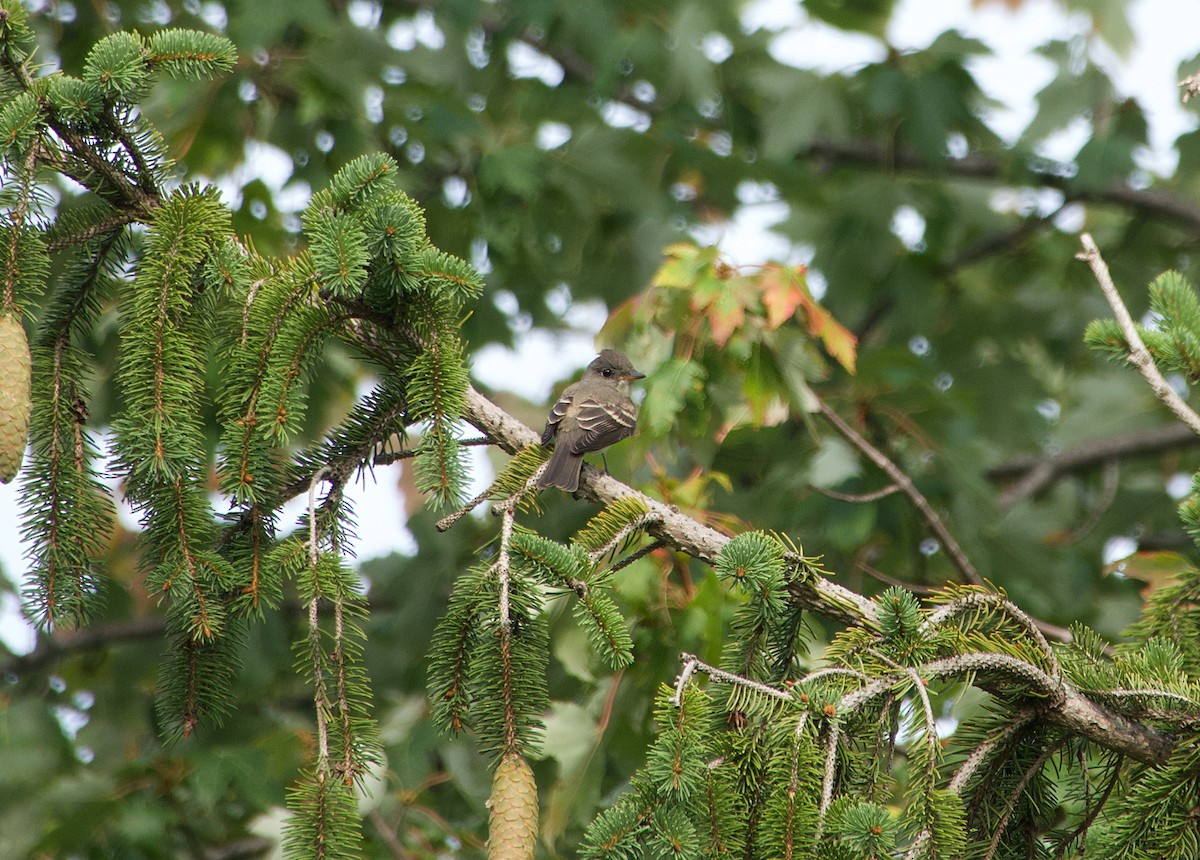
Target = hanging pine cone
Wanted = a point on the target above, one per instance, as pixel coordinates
(513, 823)
(14, 395)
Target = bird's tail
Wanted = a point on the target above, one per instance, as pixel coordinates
(563, 470)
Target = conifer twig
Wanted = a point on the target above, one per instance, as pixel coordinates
(692, 664)
(1139, 355)
(830, 775)
(1094, 811)
(1017, 791)
(978, 598)
(503, 567)
(320, 694)
(641, 552)
(637, 525)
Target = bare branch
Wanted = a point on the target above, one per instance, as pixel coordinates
(1035, 472)
(1191, 87)
(957, 557)
(857, 498)
(52, 648)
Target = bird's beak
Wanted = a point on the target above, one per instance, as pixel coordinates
(630, 377)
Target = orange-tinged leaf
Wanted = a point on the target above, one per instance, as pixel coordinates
(616, 328)
(839, 341)
(781, 295)
(725, 316)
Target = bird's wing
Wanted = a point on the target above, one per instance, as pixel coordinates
(557, 412)
(602, 424)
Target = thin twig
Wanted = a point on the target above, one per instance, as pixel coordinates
(977, 599)
(447, 522)
(634, 556)
(857, 498)
(887, 579)
(953, 551)
(692, 664)
(1139, 356)
(67, 642)
(320, 694)
(623, 534)
(830, 775)
(1110, 476)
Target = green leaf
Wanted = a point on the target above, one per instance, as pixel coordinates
(668, 388)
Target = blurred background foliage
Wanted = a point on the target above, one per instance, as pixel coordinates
(563, 147)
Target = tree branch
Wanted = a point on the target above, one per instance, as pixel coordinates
(1035, 472)
(676, 529)
(879, 155)
(957, 557)
(869, 153)
(52, 648)
(1139, 356)
(1063, 706)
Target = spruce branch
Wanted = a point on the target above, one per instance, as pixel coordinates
(316, 655)
(1062, 705)
(977, 598)
(448, 522)
(1017, 791)
(1139, 355)
(1015, 723)
(503, 566)
(641, 552)
(830, 775)
(1081, 831)
(674, 527)
(693, 664)
(622, 535)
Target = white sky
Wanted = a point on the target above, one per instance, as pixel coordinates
(1013, 77)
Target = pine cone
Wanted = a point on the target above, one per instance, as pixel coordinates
(513, 824)
(14, 395)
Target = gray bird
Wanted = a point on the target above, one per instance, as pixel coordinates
(590, 415)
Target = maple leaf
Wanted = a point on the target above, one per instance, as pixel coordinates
(785, 292)
(781, 295)
(725, 316)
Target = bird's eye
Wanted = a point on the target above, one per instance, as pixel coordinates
(606, 372)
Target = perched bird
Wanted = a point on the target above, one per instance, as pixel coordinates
(590, 415)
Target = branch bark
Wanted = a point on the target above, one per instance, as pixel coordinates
(675, 528)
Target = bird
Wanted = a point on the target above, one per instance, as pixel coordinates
(588, 416)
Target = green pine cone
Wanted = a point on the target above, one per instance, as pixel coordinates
(513, 823)
(14, 395)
